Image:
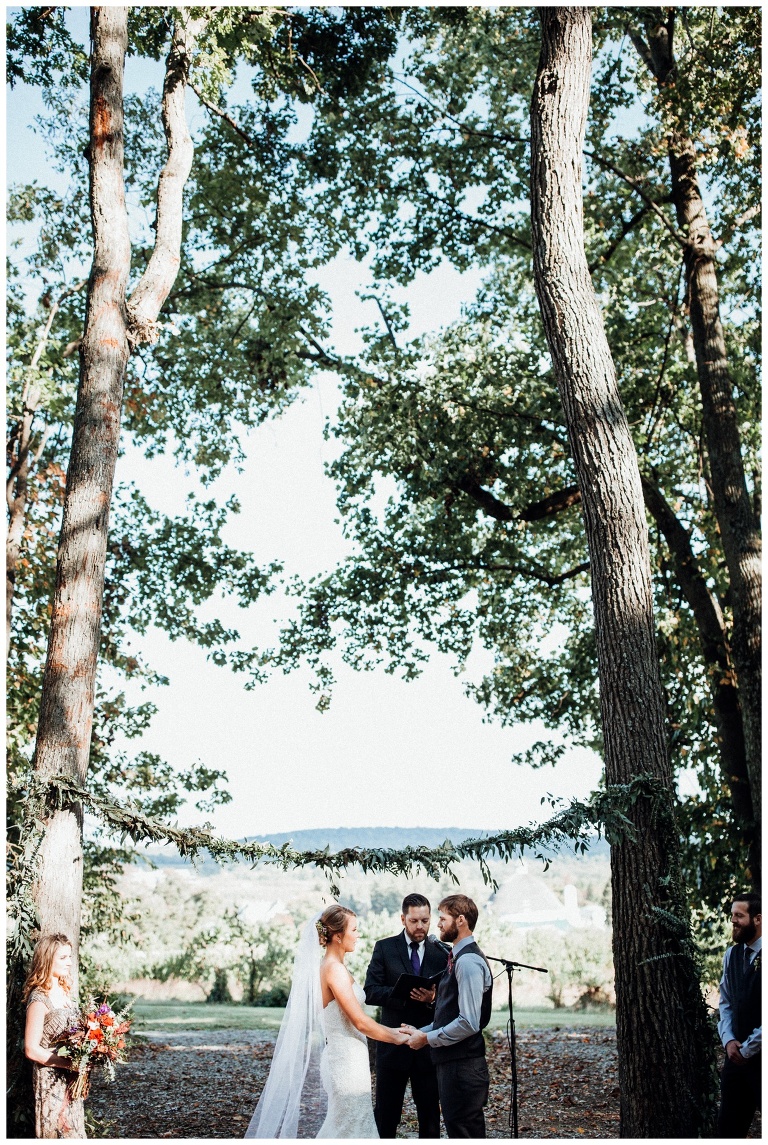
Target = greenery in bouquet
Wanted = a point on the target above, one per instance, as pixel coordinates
(96, 1038)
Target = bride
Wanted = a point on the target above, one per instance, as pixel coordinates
(320, 1065)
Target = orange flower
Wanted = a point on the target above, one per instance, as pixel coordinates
(107, 1020)
(96, 1035)
(121, 1044)
(91, 1017)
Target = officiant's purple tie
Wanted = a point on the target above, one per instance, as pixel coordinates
(415, 958)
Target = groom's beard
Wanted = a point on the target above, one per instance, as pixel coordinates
(450, 933)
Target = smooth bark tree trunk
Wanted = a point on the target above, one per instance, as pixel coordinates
(665, 1060)
(737, 521)
(113, 325)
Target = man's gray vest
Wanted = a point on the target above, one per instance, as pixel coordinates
(447, 1008)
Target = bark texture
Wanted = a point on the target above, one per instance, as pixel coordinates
(664, 1052)
(112, 327)
(739, 527)
(66, 710)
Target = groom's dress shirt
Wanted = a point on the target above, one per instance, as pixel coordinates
(473, 978)
(752, 1043)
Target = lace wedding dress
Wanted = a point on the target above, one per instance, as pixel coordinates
(346, 1076)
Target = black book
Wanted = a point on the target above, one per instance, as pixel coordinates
(407, 982)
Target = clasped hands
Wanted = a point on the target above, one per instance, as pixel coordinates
(416, 1039)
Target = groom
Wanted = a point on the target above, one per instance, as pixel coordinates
(413, 951)
(462, 1011)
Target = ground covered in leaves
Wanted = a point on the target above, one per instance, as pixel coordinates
(206, 1084)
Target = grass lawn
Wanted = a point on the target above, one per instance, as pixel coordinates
(202, 1016)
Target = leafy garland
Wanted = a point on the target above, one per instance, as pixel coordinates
(605, 812)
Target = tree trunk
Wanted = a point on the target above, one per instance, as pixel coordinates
(112, 326)
(66, 708)
(665, 1060)
(733, 509)
(717, 658)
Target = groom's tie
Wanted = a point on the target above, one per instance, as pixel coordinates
(415, 958)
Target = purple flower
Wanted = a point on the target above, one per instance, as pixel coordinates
(103, 1008)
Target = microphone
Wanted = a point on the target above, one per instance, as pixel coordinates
(516, 965)
(436, 942)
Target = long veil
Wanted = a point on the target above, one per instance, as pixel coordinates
(293, 1102)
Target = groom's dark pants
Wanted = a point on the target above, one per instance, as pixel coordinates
(390, 1094)
(463, 1087)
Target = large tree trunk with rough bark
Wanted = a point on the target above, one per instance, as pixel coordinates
(66, 708)
(665, 1059)
(113, 324)
(737, 521)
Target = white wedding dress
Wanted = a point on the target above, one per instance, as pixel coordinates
(346, 1075)
(319, 1082)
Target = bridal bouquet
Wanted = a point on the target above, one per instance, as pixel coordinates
(97, 1038)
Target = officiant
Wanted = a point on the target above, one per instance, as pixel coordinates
(413, 951)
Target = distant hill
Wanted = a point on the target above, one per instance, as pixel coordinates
(337, 838)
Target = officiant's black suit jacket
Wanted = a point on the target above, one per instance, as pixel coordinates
(390, 960)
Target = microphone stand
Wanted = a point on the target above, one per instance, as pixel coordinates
(510, 968)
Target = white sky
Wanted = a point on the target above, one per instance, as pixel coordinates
(388, 753)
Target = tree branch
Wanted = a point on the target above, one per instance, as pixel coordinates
(613, 246)
(531, 572)
(155, 284)
(458, 124)
(555, 503)
(223, 115)
(634, 183)
(490, 505)
(476, 221)
(537, 511)
(384, 315)
(702, 601)
(736, 224)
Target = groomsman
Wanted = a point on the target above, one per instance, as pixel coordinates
(462, 1011)
(740, 1026)
(413, 951)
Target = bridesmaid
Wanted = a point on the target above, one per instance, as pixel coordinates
(50, 1010)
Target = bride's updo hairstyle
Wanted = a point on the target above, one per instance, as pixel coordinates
(332, 921)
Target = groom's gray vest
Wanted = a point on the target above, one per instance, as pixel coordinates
(447, 1008)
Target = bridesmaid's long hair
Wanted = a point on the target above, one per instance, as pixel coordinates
(40, 975)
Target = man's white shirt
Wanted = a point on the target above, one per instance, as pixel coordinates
(408, 942)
